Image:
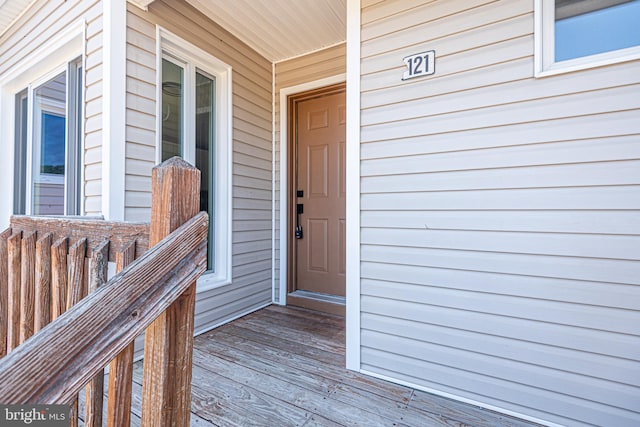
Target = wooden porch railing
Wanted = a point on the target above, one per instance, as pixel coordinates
(62, 322)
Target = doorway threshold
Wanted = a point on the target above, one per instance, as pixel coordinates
(327, 303)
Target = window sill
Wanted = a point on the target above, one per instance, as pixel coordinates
(587, 62)
(210, 281)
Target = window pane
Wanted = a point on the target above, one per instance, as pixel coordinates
(205, 88)
(49, 141)
(584, 29)
(172, 102)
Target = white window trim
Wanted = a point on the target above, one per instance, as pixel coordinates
(544, 40)
(52, 56)
(167, 42)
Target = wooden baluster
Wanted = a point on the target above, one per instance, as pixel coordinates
(166, 391)
(98, 271)
(75, 289)
(59, 277)
(43, 283)
(4, 289)
(14, 244)
(121, 368)
(27, 286)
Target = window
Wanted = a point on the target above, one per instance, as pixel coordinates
(578, 34)
(47, 143)
(195, 124)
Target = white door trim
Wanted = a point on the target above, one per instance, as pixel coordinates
(284, 169)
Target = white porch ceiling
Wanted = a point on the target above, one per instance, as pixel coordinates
(277, 29)
(280, 29)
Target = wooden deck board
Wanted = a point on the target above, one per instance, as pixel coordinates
(285, 367)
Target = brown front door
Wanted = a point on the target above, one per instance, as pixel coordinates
(318, 202)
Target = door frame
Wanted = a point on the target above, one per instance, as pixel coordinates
(285, 175)
(329, 305)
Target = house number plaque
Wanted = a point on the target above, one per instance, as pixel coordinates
(420, 64)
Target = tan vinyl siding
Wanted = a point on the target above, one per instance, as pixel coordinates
(41, 22)
(252, 148)
(500, 216)
(308, 68)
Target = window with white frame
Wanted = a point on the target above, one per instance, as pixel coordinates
(47, 136)
(195, 124)
(577, 34)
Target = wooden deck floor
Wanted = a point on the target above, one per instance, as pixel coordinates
(285, 367)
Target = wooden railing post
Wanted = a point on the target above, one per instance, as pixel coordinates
(166, 397)
(4, 290)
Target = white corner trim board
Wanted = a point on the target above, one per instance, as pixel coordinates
(353, 186)
(114, 109)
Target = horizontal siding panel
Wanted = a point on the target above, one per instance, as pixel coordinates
(246, 269)
(137, 182)
(485, 56)
(140, 151)
(251, 150)
(250, 258)
(458, 382)
(499, 27)
(256, 225)
(502, 366)
(252, 161)
(215, 308)
(137, 135)
(556, 130)
(140, 167)
(425, 14)
(601, 294)
(563, 175)
(558, 358)
(482, 161)
(506, 93)
(93, 90)
(244, 170)
(621, 197)
(140, 39)
(251, 193)
(140, 72)
(93, 60)
(596, 270)
(251, 182)
(582, 316)
(250, 247)
(138, 214)
(487, 75)
(590, 222)
(572, 245)
(372, 10)
(137, 199)
(248, 203)
(597, 102)
(141, 88)
(141, 105)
